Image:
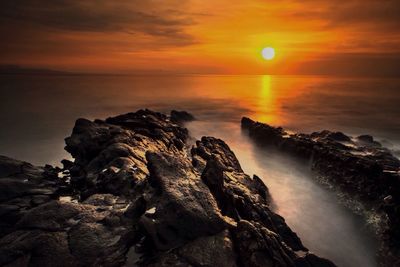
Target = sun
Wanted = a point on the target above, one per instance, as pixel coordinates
(268, 53)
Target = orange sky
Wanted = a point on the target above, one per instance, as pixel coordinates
(203, 36)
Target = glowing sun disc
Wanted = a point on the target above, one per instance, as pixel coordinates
(268, 53)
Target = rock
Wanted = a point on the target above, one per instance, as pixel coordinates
(332, 136)
(362, 168)
(311, 260)
(36, 248)
(23, 187)
(67, 164)
(239, 196)
(110, 155)
(97, 245)
(137, 194)
(215, 250)
(185, 208)
(262, 189)
(52, 216)
(211, 147)
(368, 140)
(9, 166)
(77, 234)
(254, 243)
(180, 117)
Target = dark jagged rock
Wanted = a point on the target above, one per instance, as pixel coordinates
(23, 187)
(137, 195)
(239, 196)
(360, 167)
(254, 243)
(68, 234)
(180, 117)
(185, 208)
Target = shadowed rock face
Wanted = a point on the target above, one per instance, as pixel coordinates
(359, 166)
(137, 195)
(181, 117)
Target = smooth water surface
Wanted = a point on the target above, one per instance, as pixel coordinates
(38, 112)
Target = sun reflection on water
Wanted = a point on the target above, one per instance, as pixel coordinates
(267, 106)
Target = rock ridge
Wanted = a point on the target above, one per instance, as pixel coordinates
(137, 194)
(359, 166)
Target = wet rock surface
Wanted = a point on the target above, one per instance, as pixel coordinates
(358, 166)
(138, 195)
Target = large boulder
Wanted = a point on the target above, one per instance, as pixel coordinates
(184, 207)
(181, 117)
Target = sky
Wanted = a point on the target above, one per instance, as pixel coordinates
(353, 37)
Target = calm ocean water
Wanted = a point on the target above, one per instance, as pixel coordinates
(38, 112)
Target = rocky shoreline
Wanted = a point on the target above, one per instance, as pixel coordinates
(138, 195)
(360, 167)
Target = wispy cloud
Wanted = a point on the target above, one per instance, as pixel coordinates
(368, 14)
(150, 17)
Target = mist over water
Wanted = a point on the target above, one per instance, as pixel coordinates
(324, 226)
(38, 112)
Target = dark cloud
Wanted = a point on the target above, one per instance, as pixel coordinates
(155, 17)
(372, 14)
(45, 31)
